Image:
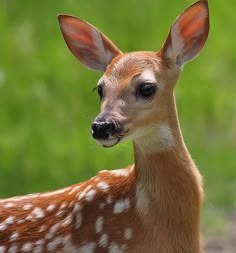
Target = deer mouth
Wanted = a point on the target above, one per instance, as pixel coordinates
(113, 140)
(108, 143)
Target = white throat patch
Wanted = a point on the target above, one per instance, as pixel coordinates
(159, 139)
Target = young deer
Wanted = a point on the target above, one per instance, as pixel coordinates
(152, 206)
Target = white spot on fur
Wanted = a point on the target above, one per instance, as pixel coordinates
(88, 188)
(63, 205)
(27, 206)
(109, 200)
(78, 220)
(81, 195)
(90, 195)
(99, 224)
(9, 205)
(30, 217)
(87, 248)
(60, 213)
(13, 249)
(40, 242)
(128, 233)
(104, 171)
(38, 213)
(54, 228)
(42, 228)
(66, 239)
(121, 205)
(14, 236)
(20, 221)
(3, 226)
(74, 189)
(10, 220)
(77, 207)
(103, 186)
(120, 172)
(52, 231)
(2, 249)
(103, 241)
(68, 245)
(27, 247)
(39, 246)
(114, 248)
(51, 207)
(38, 249)
(54, 244)
(67, 221)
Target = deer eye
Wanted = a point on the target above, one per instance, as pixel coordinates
(147, 89)
(100, 91)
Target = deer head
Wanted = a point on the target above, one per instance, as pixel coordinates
(136, 89)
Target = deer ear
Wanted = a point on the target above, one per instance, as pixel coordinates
(91, 47)
(188, 34)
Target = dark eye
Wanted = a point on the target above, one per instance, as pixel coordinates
(100, 91)
(147, 89)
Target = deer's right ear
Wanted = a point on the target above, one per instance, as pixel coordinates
(91, 47)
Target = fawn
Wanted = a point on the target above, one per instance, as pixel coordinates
(151, 206)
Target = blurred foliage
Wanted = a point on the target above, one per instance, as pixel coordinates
(46, 103)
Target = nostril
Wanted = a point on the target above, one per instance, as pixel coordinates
(109, 127)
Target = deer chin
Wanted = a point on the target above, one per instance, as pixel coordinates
(109, 142)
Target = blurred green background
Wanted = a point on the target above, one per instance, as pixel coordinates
(46, 103)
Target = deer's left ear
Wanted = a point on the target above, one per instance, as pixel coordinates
(90, 46)
(188, 34)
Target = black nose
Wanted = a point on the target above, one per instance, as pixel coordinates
(102, 130)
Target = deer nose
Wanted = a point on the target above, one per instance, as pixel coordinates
(103, 130)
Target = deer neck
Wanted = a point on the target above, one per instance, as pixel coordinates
(168, 182)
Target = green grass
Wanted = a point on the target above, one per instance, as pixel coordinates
(46, 103)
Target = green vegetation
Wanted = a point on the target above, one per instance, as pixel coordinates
(46, 103)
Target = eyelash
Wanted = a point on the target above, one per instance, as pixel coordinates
(94, 89)
(99, 89)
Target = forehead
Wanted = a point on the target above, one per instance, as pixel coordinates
(126, 66)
